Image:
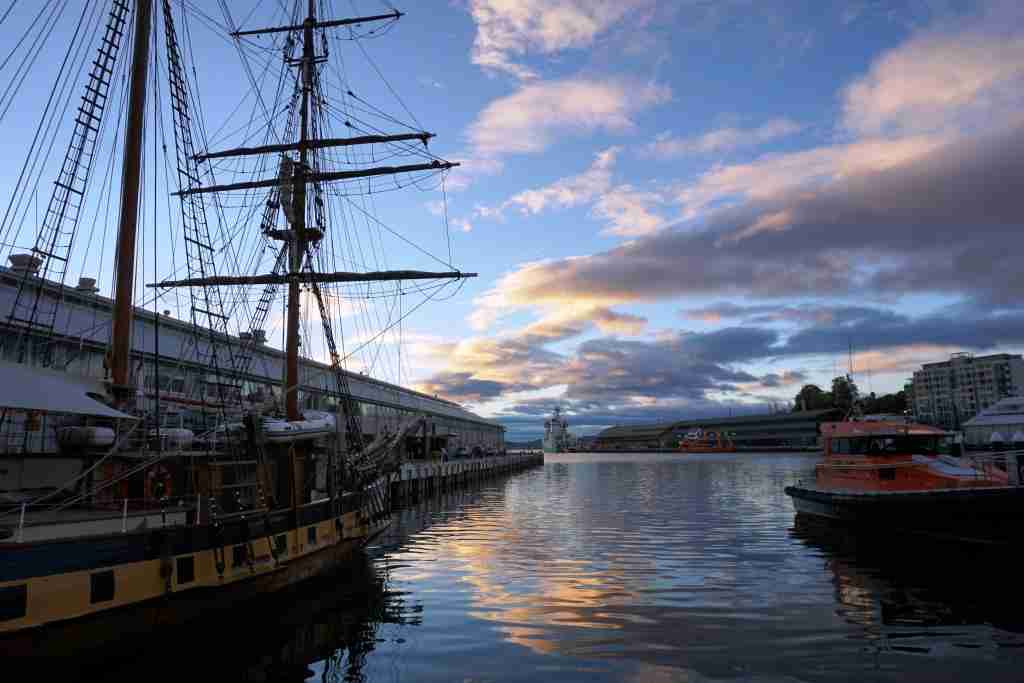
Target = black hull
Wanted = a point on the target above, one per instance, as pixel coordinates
(981, 515)
(82, 635)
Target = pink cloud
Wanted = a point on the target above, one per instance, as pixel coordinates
(668, 146)
(510, 29)
(960, 74)
(532, 118)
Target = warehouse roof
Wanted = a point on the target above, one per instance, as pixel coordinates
(657, 429)
(636, 431)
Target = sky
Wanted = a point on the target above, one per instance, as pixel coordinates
(681, 209)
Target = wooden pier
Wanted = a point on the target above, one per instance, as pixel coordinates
(420, 480)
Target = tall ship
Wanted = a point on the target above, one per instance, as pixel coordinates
(557, 438)
(157, 455)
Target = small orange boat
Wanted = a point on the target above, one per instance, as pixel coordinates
(897, 477)
(699, 441)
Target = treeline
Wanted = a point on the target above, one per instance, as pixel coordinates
(845, 396)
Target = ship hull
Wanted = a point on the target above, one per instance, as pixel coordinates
(85, 634)
(988, 515)
(169, 575)
(707, 449)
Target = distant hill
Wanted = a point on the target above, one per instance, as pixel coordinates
(522, 445)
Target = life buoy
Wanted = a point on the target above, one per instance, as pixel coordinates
(159, 483)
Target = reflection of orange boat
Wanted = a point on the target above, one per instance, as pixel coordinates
(699, 441)
(900, 582)
(896, 477)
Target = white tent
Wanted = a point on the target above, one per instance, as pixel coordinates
(996, 438)
(24, 387)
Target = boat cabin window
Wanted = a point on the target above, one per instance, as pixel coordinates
(887, 445)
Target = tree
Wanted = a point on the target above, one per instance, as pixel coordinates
(811, 397)
(844, 393)
(892, 404)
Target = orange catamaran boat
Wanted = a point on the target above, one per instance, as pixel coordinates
(700, 441)
(895, 477)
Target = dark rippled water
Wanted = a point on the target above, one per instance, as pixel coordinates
(620, 567)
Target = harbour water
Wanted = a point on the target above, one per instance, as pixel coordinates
(613, 567)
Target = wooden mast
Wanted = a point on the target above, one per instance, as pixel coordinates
(131, 175)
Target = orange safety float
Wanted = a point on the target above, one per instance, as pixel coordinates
(159, 483)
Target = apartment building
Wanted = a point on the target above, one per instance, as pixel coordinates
(948, 393)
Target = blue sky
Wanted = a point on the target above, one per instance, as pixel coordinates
(684, 208)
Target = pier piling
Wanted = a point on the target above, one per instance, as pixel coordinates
(416, 481)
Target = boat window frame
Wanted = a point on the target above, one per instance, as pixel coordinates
(102, 586)
(13, 602)
(843, 445)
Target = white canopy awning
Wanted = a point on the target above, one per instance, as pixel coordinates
(996, 438)
(23, 387)
(1018, 437)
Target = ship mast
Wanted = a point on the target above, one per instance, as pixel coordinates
(300, 237)
(131, 176)
(297, 243)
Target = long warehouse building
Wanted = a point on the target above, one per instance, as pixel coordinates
(796, 431)
(187, 386)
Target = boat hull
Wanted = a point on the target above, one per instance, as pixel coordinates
(82, 634)
(165, 574)
(988, 515)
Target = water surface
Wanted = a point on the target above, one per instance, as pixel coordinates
(620, 567)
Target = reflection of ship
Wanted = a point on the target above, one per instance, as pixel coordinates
(701, 441)
(896, 477)
(557, 438)
(116, 502)
(900, 583)
(334, 620)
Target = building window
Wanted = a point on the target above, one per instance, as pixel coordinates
(101, 586)
(239, 555)
(311, 535)
(281, 544)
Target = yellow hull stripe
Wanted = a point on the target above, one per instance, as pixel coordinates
(66, 596)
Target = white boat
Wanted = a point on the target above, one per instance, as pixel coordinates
(557, 438)
(313, 426)
(172, 432)
(85, 437)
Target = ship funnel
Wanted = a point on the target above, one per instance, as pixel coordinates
(25, 264)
